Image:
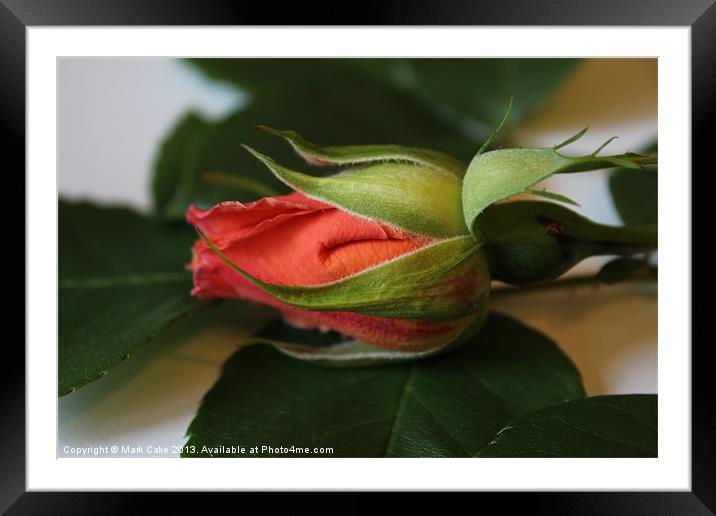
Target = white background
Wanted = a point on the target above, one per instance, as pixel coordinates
(591, 328)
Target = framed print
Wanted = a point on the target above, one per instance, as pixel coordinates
(418, 251)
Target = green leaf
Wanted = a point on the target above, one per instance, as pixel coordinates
(623, 269)
(268, 78)
(635, 194)
(444, 280)
(472, 93)
(121, 281)
(454, 92)
(419, 199)
(499, 174)
(528, 242)
(447, 406)
(208, 165)
(172, 167)
(602, 426)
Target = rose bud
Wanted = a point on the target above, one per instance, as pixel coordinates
(378, 252)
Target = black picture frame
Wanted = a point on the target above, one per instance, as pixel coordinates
(700, 15)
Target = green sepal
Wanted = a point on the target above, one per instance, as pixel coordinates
(354, 353)
(349, 353)
(359, 154)
(552, 196)
(527, 242)
(429, 283)
(488, 142)
(421, 200)
(499, 174)
(571, 139)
